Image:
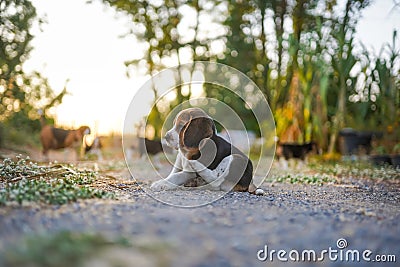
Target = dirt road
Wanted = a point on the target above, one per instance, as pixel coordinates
(232, 230)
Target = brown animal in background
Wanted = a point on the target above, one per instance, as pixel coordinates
(57, 138)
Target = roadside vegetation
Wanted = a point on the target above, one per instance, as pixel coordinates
(23, 181)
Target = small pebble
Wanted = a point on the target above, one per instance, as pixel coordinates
(259, 192)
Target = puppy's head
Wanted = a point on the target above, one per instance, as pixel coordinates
(83, 130)
(190, 127)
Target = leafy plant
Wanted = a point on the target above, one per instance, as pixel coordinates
(356, 170)
(24, 180)
(314, 179)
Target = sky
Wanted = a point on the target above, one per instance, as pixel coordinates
(81, 43)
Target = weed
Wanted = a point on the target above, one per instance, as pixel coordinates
(23, 180)
(357, 170)
(315, 179)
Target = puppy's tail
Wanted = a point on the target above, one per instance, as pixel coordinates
(256, 191)
(42, 118)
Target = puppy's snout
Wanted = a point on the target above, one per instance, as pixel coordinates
(167, 137)
(171, 139)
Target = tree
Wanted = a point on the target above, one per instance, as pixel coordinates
(343, 60)
(300, 53)
(171, 32)
(285, 63)
(21, 94)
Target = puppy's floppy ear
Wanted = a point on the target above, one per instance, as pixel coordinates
(196, 130)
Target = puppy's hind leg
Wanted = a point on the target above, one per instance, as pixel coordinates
(238, 176)
(234, 172)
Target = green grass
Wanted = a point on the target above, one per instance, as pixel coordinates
(356, 169)
(58, 250)
(24, 181)
(321, 172)
(18, 138)
(314, 179)
(66, 249)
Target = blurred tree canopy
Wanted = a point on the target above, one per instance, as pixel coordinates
(302, 53)
(21, 94)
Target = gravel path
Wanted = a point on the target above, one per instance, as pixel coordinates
(230, 231)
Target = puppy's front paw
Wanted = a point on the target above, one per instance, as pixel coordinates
(196, 165)
(161, 185)
(186, 166)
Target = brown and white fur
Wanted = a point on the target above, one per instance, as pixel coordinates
(53, 138)
(202, 153)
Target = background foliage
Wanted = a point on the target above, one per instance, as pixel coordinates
(302, 53)
(21, 93)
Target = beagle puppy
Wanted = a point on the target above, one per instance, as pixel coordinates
(202, 153)
(57, 138)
